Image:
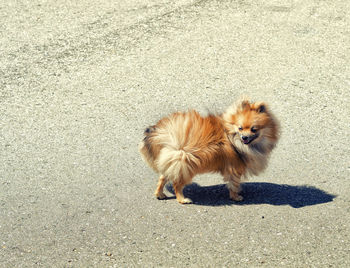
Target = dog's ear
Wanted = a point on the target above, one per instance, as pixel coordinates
(244, 105)
(261, 107)
(237, 107)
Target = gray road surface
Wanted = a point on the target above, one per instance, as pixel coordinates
(80, 80)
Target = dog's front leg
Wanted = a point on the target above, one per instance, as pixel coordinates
(233, 185)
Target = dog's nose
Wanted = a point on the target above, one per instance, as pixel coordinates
(244, 138)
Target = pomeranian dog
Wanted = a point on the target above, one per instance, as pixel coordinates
(236, 143)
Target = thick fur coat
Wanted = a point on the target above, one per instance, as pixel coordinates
(236, 143)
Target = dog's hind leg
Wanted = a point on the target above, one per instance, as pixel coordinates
(159, 191)
(178, 188)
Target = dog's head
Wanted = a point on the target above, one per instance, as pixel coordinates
(252, 123)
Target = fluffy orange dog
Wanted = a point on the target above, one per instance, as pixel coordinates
(236, 143)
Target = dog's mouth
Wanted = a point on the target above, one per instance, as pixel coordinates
(248, 139)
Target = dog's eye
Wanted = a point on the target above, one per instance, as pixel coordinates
(254, 129)
(240, 128)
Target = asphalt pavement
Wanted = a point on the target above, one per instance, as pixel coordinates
(81, 80)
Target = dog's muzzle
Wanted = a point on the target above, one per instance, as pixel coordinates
(248, 139)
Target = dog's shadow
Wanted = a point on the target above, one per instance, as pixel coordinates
(257, 193)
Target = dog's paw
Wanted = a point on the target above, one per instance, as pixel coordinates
(236, 197)
(185, 201)
(161, 196)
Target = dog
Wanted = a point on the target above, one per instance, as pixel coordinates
(236, 143)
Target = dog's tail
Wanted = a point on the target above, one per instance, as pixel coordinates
(177, 164)
(167, 152)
